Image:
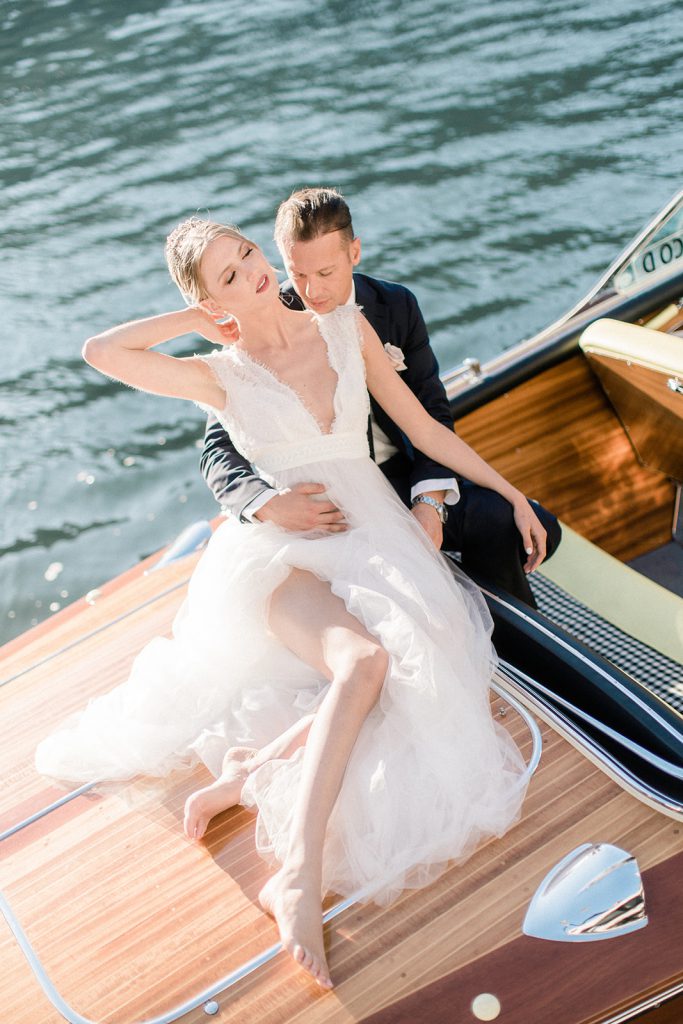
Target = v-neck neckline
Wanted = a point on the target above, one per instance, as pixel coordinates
(293, 391)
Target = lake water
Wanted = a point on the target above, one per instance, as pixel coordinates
(496, 157)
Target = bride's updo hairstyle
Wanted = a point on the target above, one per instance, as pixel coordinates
(185, 247)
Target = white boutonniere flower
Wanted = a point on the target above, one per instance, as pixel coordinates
(395, 357)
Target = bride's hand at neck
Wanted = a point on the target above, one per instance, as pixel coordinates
(216, 325)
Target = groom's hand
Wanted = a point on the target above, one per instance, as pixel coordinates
(300, 509)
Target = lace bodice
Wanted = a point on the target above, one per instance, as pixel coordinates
(268, 421)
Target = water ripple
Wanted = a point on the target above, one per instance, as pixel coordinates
(497, 155)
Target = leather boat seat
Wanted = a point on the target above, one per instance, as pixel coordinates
(641, 372)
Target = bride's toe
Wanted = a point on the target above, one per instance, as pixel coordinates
(282, 901)
(318, 970)
(320, 973)
(302, 956)
(265, 898)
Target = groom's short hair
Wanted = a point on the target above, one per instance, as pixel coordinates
(310, 213)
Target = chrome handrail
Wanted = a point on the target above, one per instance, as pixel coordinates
(469, 369)
(530, 722)
(667, 767)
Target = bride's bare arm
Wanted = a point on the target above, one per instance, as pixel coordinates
(441, 444)
(124, 353)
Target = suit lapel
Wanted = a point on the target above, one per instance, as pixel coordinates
(289, 297)
(374, 310)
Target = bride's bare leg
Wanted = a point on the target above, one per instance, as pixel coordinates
(317, 627)
(238, 763)
(285, 744)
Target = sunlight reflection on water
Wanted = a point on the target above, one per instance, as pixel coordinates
(495, 158)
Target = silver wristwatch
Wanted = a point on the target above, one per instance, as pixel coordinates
(439, 506)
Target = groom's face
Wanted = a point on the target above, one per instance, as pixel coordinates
(321, 270)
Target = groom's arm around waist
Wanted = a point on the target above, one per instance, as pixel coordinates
(231, 478)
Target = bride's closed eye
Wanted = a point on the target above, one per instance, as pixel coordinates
(246, 253)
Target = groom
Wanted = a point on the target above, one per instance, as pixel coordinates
(314, 234)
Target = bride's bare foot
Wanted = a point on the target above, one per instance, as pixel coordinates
(225, 792)
(297, 910)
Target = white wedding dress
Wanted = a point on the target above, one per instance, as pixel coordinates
(431, 773)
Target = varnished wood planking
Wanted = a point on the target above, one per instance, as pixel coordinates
(468, 913)
(154, 903)
(36, 702)
(377, 955)
(593, 984)
(23, 1001)
(557, 438)
(435, 950)
(69, 835)
(651, 413)
(128, 917)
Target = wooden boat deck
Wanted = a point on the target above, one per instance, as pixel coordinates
(130, 921)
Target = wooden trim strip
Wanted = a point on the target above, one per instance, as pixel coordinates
(648, 1004)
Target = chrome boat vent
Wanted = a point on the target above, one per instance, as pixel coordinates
(595, 892)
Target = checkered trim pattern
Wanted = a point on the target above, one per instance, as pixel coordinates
(654, 670)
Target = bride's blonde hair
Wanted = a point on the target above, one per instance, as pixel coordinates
(185, 247)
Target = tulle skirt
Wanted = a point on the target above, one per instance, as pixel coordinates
(431, 774)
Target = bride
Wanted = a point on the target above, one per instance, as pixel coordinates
(337, 682)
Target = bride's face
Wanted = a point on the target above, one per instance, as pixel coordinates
(237, 277)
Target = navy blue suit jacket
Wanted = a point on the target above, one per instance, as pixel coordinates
(394, 313)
